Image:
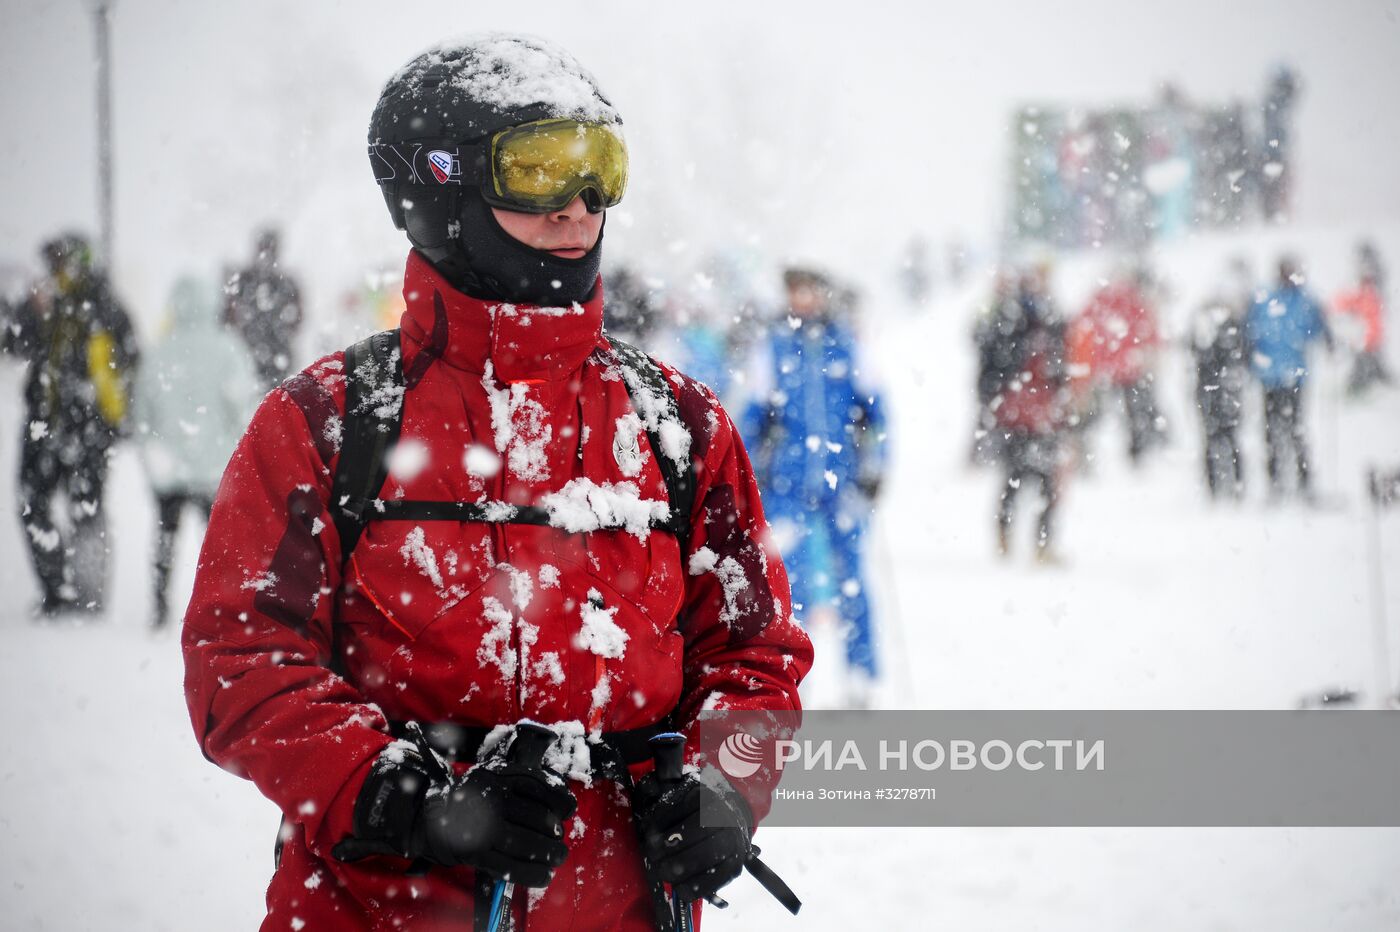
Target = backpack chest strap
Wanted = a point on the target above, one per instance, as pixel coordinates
(479, 512)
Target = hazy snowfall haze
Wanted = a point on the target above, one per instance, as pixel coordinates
(827, 132)
(817, 129)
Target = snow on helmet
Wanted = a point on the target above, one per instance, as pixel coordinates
(429, 143)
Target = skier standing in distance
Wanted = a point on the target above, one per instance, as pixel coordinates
(1000, 325)
(1275, 150)
(1217, 343)
(1031, 412)
(264, 306)
(564, 532)
(1278, 329)
(82, 356)
(1123, 338)
(817, 426)
(1362, 310)
(191, 401)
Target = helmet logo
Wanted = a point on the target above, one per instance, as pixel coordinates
(441, 164)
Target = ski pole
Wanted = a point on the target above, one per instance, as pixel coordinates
(668, 751)
(531, 743)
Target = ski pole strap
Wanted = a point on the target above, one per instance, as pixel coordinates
(772, 882)
(610, 757)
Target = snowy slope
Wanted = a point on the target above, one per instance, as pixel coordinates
(112, 820)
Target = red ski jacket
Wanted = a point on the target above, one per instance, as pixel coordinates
(472, 623)
(1119, 328)
(1366, 306)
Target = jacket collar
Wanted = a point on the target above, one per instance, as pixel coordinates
(521, 341)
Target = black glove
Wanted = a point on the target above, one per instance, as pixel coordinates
(869, 487)
(503, 818)
(696, 861)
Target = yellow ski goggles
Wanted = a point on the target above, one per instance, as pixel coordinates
(543, 166)
(533, 167)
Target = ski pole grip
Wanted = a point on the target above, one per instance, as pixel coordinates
(530, 745)
(668, 753)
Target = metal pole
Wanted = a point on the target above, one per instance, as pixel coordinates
(102, 11)
(1380, 644)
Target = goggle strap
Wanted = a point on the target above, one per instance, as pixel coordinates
(427, 163)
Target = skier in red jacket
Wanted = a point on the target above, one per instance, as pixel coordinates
(1119, 329)
(369, 644)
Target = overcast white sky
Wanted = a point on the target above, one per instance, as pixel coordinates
(830, 131)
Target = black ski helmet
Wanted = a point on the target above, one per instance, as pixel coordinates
(463, 92)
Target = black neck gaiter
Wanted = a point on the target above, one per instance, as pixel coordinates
(486, 262)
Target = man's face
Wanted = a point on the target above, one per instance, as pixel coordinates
(568, 233)
(806, 299)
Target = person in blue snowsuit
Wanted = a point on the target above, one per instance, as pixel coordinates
(1278, 330)
(817, 434)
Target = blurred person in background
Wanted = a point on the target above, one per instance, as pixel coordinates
(997, 335)
(1031, 412)
(630, 308)
(1218, 347)
(192, 399)
(1279, 328)
(265, 307)
(691, 337)
(1119, 334)
(1276, 148)
(1360, 315)
(1368, 261)
(816, 425)
(82, 355)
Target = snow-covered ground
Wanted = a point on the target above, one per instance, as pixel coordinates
(111, 819)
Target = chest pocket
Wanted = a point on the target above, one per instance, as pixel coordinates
(414, 573)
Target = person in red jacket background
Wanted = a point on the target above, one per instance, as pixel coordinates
(1118, 328)
(370, 686)
(1363, 309)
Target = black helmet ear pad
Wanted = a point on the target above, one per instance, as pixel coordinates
(394, 203)
(428, 217)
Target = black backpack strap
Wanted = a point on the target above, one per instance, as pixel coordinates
(643, 377)
(483, 512)
(374, 388)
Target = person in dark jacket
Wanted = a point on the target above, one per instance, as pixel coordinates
(1276, 148)
(1031, 412)
(82, 355)
(264, 306)
(999, 329)
(1279, 328)
(1217, 343)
